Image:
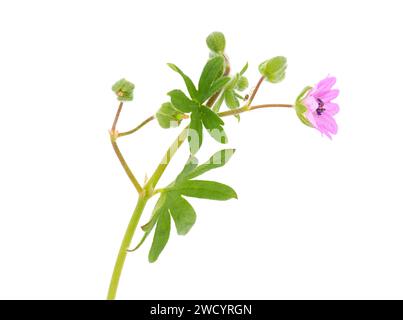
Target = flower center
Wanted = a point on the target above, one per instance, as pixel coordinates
(320, 108)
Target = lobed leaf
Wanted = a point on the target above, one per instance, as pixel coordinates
(244, 69)
(182, 213)
(213, 69)
(189, 167)
(218, 134)
(217, 160)
(231, 100)
(218, 85)
(211, 120)
(205, 190)
(188, 82)
(181, 102)
(195, 135)
(161, 236)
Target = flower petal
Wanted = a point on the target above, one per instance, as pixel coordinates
(329, 95)
(327, 124)
(311, 103)
(332, 108)
(326, 84)
(309, 115)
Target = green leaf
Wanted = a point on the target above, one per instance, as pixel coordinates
(190, 165)
(274, 69)
(218, 134)
(244, 69)
(213, 124)
(161, 236)
(218, 85)
(213, 69)
(195, 135)
(168, 116)
(231, 100)
(216, 42)
(218, 103)
(182, 213)
(211, 120)
(159, 207)
(143, 239)
(233, 82)
(217, 160)
(188, 82)
(205, 189)
(181, 102)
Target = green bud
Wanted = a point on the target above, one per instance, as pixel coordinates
(242, 84)
(216, 42)
(300, 108)
(124, 90)
(274, 69)
(168, 116)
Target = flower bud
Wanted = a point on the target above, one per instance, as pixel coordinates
(242, 83)
(216, 42)
(124, 90)
(274, 69)
(168, 116)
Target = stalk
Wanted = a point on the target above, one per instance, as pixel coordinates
(127, 239)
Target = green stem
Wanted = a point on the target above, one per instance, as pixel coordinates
(113, 136)
(259, 83)
(137, 128)
(247, 108)
(149, 187)
(142, 200)
(127, 239)
(125, 165)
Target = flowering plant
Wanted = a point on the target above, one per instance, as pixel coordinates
(201, 108)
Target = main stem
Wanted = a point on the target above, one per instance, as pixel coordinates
(127, 239)
(141, 203)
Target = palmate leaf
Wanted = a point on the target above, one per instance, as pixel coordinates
(188, 82)
(218, 134)
(182, 213)
(160, 206)
(205, 190)
(181, 102)
(217, 160)
(213, 123)
(213, 69)
(171, 202)
(195, 133)
(231, 100)
(211, 119)
(218, 85)
(245, 67)
(161, 236)
(217, 105)
(188, 169)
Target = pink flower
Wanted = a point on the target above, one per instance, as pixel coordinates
(320, 108)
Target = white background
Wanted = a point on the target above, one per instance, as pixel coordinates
(315, 218)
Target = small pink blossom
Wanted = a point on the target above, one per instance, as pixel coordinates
(320, 108)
